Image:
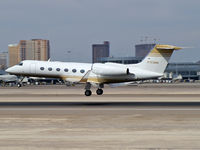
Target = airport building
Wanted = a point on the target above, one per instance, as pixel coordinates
(187, 70)
(35, 49)
(100, 50)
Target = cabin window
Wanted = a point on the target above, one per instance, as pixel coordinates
(21, 64)
(57, 69)
(73, 70)
(50, 69)
(66, 70)
(82, 70)
(41, 68)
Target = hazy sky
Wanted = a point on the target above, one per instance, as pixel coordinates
(77, 24)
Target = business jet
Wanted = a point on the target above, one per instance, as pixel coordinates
(98, 74)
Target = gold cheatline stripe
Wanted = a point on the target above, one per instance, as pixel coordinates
(96, 80)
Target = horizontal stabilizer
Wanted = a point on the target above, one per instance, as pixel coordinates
(167, 47)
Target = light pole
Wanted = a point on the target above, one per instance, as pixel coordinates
(68, 55)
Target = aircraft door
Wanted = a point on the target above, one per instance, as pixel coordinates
(33, 68)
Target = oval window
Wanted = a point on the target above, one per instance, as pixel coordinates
(50, 69)
(41, 68)
(57, 69)
(66, 70)
(74, 70)
(82, 70)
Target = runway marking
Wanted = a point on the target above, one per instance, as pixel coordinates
(101, 109)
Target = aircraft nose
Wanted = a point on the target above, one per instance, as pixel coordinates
(9, 70)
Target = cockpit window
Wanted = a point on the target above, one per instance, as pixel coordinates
(20, 64)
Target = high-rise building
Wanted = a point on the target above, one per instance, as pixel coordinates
(35, 49)
(14, 54)
(100, 50)
(3, 61)
(141, 50)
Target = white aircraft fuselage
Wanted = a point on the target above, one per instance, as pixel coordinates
(76, 72)
(152, 66)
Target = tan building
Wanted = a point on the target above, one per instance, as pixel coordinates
(3, 61)
(35, 49)
(14, 54)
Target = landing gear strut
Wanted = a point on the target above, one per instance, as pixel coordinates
(19, 84)
(88, 92)
(99, 91)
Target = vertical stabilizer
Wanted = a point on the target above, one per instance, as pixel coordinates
(157, 59)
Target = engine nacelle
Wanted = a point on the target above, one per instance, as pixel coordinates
(109, 69)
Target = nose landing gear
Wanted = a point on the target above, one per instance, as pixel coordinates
(19, 85)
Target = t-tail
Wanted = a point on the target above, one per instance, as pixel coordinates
(157, 60)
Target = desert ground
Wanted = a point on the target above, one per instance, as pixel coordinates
(145, 116)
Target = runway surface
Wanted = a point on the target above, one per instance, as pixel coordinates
(100, 126)
(144, 92)
(31, 120)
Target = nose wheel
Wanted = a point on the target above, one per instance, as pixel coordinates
(19, 85)
(88, 92)
(99, 91)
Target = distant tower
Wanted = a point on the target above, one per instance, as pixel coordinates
(100, 50)
(141, 50)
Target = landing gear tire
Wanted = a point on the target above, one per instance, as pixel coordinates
(88, 93)
(19, 85)
(99, 91)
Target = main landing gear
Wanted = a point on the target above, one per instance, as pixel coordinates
(99, 91)
(88, 92)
